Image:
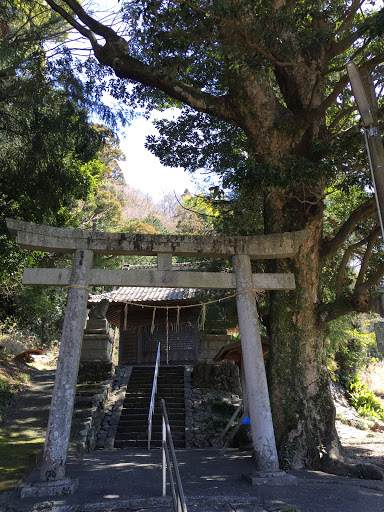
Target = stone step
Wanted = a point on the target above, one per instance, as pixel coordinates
(148, 389)
(143, 434)
(177, 393)
(160, 393)
(133, 409)
(136, 383)
(162, 368)
(178, 416)
(150, 372)
(158, 423)
(143, 443)
(132, 430)
(161, 375)
(169, 402)
(144, 406)
(143, 427)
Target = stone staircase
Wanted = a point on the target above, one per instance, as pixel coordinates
(132, 430)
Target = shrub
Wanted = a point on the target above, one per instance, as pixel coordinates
(363, 400)
(350, 346)
(6, 395)
(354, 355)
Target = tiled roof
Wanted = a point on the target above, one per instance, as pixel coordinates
(145, 294)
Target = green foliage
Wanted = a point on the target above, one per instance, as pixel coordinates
(6, 395)
(196, 215)
(139, 226)
(156, 223)
(25, 26)
(222, 412)
(48, 160)
(52, 158)
(363, 400)
(40, 312)
(19, 451)
(361, 424)
(375, 29)
(12, 380)
(349, 350)
(222, 407)
(48, 151)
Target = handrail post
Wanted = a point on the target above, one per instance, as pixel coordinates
(179, 505)
(152, 403)
(164, 463)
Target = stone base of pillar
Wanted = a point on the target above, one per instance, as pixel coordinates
(61, 487)
(269, 478)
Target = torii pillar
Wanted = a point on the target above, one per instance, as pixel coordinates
(257, 397)
(53, 480)
(84, 245)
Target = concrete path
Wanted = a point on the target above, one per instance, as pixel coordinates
(130, 480)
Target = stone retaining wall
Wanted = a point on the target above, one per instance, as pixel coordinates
(93, 390)
(107, 433)
(210, 391)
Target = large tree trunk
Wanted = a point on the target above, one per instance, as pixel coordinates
(302, 407)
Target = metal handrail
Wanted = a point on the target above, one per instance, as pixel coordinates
(152, 404)
(178, 498)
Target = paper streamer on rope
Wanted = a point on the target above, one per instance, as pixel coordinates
(125, 317)
(178, 320)
(153, 320)
(201, 319)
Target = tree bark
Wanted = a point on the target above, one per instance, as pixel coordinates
(302, 407)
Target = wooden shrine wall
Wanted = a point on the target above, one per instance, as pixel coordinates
(138, 345)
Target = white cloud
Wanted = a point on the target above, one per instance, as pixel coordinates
(142, 170)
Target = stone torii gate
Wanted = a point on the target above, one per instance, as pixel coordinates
(84, 244)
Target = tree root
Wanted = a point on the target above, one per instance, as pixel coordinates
(336, 463)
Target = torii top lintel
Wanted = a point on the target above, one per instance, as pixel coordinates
(52, 239)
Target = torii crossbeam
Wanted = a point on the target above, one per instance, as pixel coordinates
(84, 244)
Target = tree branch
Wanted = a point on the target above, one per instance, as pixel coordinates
(7, 72)
(347, 18)
(339, 47)
(371, 239)
(362, 212)
(71, 20)
(336, 309)
(372, 281)
(115, 54)
(241, 28)
(341, 271)
(318, 112)
(344, 112)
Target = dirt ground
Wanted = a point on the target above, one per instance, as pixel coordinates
(365, 443)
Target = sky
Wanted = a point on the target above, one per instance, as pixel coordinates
(142, 170)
